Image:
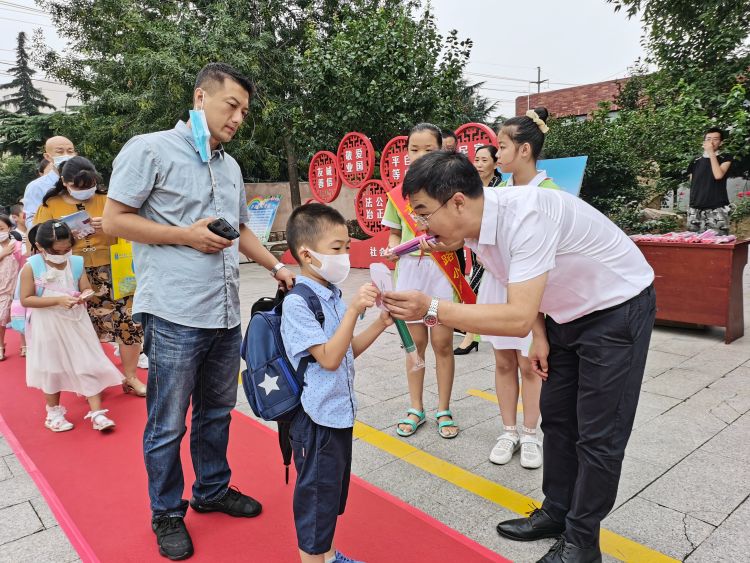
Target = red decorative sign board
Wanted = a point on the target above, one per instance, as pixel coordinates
(370, 206)
(394, 162)
(471, 136)
(325, 182)
(356, 159)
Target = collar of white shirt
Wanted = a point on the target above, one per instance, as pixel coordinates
(488, 230)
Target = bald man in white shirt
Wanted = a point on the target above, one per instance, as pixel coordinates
(586, 292)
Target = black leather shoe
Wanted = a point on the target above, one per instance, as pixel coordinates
(537, 526)
(172, 537)
(565, 552)
(233, 503)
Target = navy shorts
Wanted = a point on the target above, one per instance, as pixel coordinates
(323, 459)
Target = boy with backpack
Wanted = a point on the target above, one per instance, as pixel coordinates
(321, 430)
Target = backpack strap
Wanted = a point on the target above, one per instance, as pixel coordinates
(37, 268)
(313, 303)
(76, 267)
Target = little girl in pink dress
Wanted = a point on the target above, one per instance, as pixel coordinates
(64, 351)
(11, 260)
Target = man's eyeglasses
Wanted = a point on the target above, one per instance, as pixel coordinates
(422, 220)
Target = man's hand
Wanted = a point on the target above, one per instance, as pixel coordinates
(365, 298)
(385, 318)
(200, 238)
(96, 223)
(285, 277)
(389, 255)
(708, 146)
(441, 246)
(409, 305)
(538, 353)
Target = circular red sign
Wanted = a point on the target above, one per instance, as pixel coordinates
(370, 206)
(323, 174)
(471, 136)
(394, 161)
(356, 159)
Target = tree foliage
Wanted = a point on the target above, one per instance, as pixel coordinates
(15, 173)
(27, 99)
(133, 63)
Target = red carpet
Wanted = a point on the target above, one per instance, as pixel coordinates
(96, 486)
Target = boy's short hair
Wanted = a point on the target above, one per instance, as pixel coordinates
(307, 223)
(714, 130)
(442, 174)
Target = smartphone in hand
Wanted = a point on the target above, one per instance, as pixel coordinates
(222, 228)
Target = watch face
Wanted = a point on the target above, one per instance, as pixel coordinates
(430, 320)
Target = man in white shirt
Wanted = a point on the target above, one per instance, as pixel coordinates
(586, 292)
(56, 151)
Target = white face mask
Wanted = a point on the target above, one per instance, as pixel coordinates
(4, 236)
(58, 160)
(334, 268)
(82, 195)
(58, 258)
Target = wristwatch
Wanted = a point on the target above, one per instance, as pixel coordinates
(276, 268)
(431, 318)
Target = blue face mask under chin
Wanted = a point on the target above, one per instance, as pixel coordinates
(201, 134)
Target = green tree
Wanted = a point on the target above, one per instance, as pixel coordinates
(27, 99)
(15, 173)
(135, 62)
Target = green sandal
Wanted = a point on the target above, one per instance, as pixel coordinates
(445, 423)
(414, 424)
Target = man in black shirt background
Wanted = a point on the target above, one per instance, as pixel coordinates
(709, 202)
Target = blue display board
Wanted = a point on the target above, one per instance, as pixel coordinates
(565, 172)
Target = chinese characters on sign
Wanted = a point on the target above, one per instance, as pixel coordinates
(325, 182)
(394, 162)
(370, 206)
(262, 212)
(356, 159)
(471, 136)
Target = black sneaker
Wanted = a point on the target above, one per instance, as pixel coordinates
(233, 503)
(172, 537)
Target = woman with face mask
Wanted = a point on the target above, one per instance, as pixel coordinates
(79, 189)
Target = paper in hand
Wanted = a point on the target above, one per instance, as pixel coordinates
(381, 277)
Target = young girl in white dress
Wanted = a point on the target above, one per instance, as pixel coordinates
(421, 272)
(520, 142)
(64, 351)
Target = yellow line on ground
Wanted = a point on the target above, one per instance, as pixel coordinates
(613, 544)
(488, 397)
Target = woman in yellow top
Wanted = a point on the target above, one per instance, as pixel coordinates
(78, 190)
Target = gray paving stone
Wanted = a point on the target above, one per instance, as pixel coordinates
(651, 405)
(404, 480)
(18, 489)
(730, 542)
(735, 389)
(18, 521)
(732, 442)
(679, 383)
(5, 449)
(636, 475)
(668, 531)
(14, 465)
(367, 458)
(704, 486)
(46, 546)
(44, 512)
(5, 472)
(658, 362)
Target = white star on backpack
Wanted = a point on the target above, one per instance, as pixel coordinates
(269, 384)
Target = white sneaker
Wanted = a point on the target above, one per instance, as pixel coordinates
(507, 444)
(531, 452)
(143, 361)
(56, 420)
(99, 421)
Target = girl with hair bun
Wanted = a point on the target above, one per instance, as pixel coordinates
(80, 189)
(520, 141)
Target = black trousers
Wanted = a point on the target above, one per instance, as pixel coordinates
(588, 404)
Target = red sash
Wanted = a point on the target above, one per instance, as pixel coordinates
(446, 261)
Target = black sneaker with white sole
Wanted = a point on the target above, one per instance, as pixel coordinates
(173, 538)
(233, 503)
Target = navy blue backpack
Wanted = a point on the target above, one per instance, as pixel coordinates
(272, 386)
